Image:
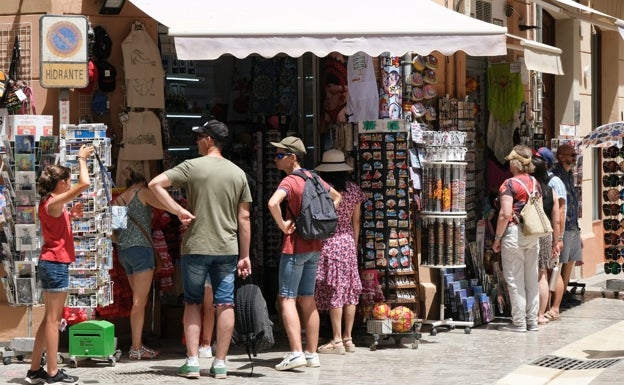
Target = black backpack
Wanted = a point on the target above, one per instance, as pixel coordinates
(253, 327)
(318, 218)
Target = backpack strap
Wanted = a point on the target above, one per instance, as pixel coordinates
(305, 178)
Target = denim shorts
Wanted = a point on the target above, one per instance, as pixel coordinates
(136, 259)
(297, 274)
(218, 271)
(53, 276)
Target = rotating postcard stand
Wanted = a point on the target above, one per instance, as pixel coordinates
(443, 218)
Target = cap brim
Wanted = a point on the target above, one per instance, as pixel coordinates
(198, 129)
(278, 145)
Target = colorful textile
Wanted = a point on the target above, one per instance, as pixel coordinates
(505, 92)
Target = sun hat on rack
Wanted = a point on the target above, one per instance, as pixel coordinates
(333, 161)
(429, 92)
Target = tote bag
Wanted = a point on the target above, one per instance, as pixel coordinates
(534, 221)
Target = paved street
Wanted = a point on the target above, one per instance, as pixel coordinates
(590, 335)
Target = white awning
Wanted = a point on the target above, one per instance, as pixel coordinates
(537, 56)
(584, 13)
(205, 30)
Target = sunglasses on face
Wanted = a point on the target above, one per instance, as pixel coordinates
(612, 267)
(610, 166)
(613, 180)
(282, 155)
(611, 224)
(612, 152)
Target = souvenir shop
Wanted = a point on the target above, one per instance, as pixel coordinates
(413, 127)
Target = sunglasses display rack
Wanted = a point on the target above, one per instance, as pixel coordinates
(383, 170)
(90, 279)
(613, 216)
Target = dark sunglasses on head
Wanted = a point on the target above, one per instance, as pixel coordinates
(612, 267)
(612, 152)
(610, 166)
(611, 239)
(612, 209)
(613, 180)
(611, 224)
(281, 155)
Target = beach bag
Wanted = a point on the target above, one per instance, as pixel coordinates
(318, 218)
(533, 219)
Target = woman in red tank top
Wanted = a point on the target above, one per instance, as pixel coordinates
(57, 252)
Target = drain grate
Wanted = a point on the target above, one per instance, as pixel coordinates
(564, 363)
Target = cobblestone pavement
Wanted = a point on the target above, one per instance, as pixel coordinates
(592, 332)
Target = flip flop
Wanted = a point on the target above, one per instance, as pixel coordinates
(552, 316)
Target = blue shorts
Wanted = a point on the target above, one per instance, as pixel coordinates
(53, 276)
(297, 274)
(136, 259)
(218, 271)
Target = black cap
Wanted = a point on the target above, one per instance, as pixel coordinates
(215, 129)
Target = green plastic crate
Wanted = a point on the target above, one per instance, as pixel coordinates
(92, 339)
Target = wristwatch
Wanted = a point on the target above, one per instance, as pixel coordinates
(497, 237)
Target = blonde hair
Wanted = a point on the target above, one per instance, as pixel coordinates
(520, 158)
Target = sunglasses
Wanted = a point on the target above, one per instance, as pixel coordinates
(612, 267)
(612, 239)
(611, 224)
(612, 209)
(612, 254)
(613, 180)
(282, 155)
(612, 152)
(610, 166)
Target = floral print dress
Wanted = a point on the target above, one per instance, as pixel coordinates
(337, 277)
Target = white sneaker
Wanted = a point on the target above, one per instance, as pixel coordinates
(292, 360)
(312, 360)
(205, 351)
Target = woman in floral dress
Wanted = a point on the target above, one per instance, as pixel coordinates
(338, 284)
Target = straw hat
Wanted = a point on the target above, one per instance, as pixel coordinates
(333, 160)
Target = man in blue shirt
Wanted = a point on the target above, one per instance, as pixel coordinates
(572, 253)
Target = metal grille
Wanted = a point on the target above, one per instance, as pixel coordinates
(563, 363)
(8, 31)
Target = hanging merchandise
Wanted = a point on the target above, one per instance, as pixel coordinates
(15, 97)
(142, 137)
(391, 91)
(143, 71)
(362, 98)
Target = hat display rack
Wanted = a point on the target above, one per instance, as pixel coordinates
(420, 92)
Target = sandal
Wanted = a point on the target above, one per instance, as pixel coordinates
(551, 316)
(143, 353)
(331, 348)
(348, 345)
